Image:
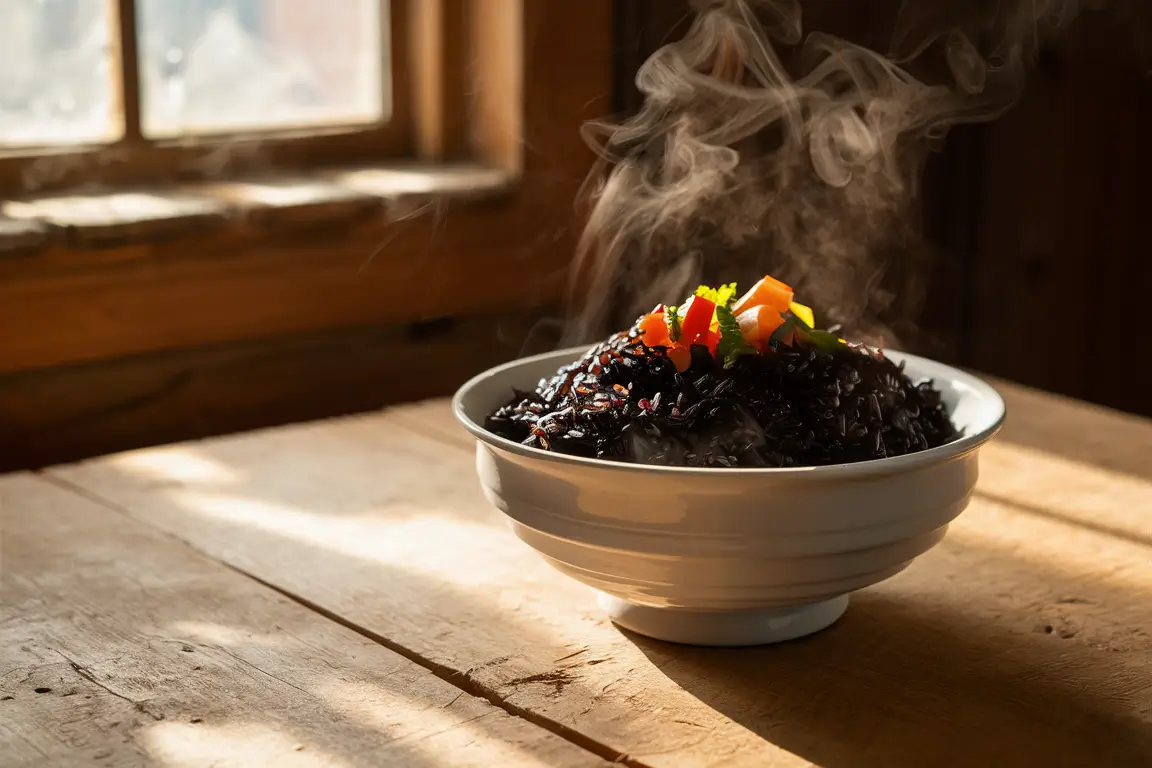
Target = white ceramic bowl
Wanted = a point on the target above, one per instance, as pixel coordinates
(728, 556)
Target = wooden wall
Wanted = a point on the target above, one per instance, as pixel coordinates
(1061, 269)
(1039, 222)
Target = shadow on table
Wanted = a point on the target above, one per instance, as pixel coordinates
(897, 684)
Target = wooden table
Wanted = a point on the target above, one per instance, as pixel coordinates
(338, 593)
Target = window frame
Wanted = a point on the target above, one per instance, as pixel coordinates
(134, 160)
(495, 232)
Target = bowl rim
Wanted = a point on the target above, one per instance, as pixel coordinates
(872, 467)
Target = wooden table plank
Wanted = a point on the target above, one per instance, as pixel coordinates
(1024, 639)
(121, 646)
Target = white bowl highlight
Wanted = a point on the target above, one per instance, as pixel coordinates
(728, 556)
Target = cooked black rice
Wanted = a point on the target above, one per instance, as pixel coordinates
(625, 401)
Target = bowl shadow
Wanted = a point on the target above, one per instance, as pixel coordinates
(899, 683)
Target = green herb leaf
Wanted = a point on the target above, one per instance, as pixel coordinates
(732, 344)
(672, 319)
(822, 340)
(724, 296)
(777, 337)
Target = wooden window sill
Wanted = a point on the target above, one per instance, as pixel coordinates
(21, 238)
(126, 217)
(100, 276)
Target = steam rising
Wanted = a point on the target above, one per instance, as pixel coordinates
(765, 147)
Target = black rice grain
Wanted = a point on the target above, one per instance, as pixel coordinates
(625, 401)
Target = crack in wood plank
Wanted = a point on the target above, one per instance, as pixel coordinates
(569, 656)
(86, 673)
(558, 679)
(265, 672)
(434, 734)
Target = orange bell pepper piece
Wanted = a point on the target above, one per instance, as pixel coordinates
(769, 292)
(757, 323)
(681, 357)
(653, 329)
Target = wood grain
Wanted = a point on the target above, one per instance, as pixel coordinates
(221, 286)
(120, 646)
(1024, 639)
(497, 77)
(439, 67)
(56, 415)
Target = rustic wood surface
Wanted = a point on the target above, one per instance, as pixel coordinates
(1025, 638)
(67, 414)
(121, 646)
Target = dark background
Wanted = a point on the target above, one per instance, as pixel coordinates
(1040, 220)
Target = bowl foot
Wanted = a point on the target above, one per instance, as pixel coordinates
(714, 628)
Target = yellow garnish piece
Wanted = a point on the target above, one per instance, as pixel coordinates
(803, 313)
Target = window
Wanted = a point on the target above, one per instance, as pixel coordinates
(213, 66)
(184, 174)
(56, 78)
(135, 90)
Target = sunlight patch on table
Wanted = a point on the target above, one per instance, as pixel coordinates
(1064, 547)
(430, 542)
(175, 464)
(210, 633)
(1070, 489)
(472, 731)
(394, 713)
(242, 745)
